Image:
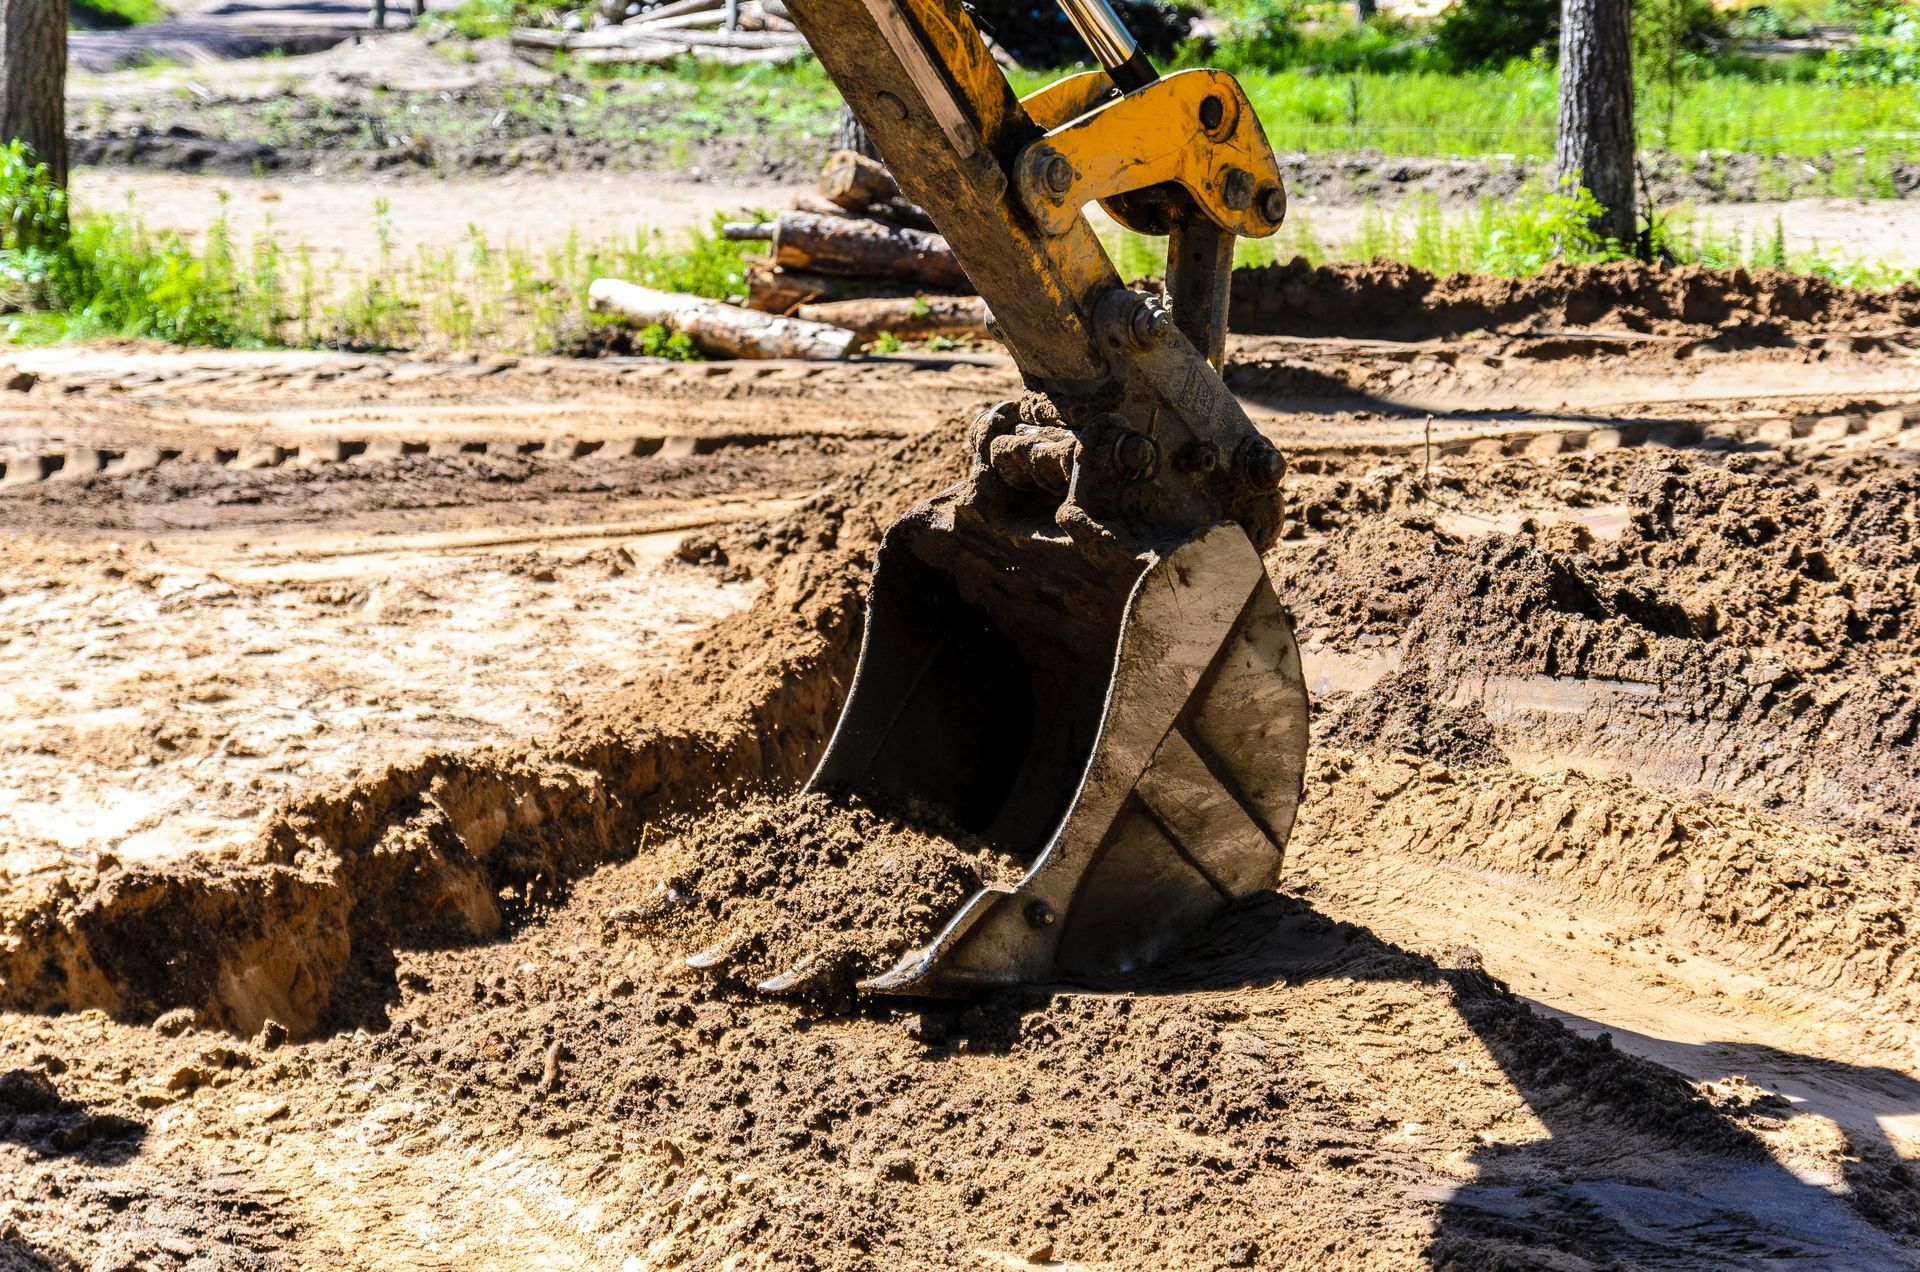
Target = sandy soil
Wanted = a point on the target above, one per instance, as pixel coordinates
(1591, 947)
(335, 217)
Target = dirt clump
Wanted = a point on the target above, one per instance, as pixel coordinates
(1404, 713)
(815, 890)
(1388, 299)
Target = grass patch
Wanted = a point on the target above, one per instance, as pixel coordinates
(1518, 238)
(1512, 112)
(95, 275)
(81, 276)
(113, 15)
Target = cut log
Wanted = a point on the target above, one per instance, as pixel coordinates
(910, 317)
(642, 33)
(749, 18)
(663, 51)
(747, 231)
(719, 328)
(781, 291)
(852, 181)
(638, 37)
(807, 201)
(679, 7)
(708, 20)
(865, 249)
(893, 211)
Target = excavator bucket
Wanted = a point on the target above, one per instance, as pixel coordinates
(1076, 653)
(1135, 737)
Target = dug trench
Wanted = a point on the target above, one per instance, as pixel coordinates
(1614, 753)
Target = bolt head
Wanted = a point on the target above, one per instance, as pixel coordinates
(1262, 466)
(1059, 174)
(1149, 323)
(1199, 457)
(1236, 191)
(1135, 455)
(1272, 202)
(1039, 914)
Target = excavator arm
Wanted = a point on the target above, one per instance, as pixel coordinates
(1005, 180)
(1076, 652)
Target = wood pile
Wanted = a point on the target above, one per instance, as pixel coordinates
(844, 267)
(726, 32)
(860, 255)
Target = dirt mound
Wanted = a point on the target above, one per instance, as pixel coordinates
(815, 891)
(1824, 912)
(1392, 300)
(1404, 713)
(1747, 597)
(1173, 1128)
(448, 849)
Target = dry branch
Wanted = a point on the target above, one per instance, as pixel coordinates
(720, 328)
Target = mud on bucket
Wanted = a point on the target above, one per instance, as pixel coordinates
(1135, 738)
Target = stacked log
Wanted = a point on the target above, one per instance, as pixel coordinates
(726, 32)
(846, 266)
(860, 255)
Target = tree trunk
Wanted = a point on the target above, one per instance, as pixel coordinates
(781, 291)
(1596, 107)
(33, 79)
(1365, 9)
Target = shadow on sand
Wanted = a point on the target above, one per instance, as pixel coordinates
(1637, 1168)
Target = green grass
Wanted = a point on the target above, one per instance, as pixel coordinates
(79, 276)
(115, 14)
(1517, 238)
(1512, 112)
(476, 19)
(1427, 113)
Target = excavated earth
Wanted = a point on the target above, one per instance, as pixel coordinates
(1593, 947)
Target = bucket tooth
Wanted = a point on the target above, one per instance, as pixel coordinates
(714, 955)
(808, 972)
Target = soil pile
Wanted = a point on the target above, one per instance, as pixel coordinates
(448, 848)
(1721, 645)
(575, 1094)
(1746, 618)
(1393, 300)
(814, 893)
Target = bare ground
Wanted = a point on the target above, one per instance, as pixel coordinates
(1591, 949)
